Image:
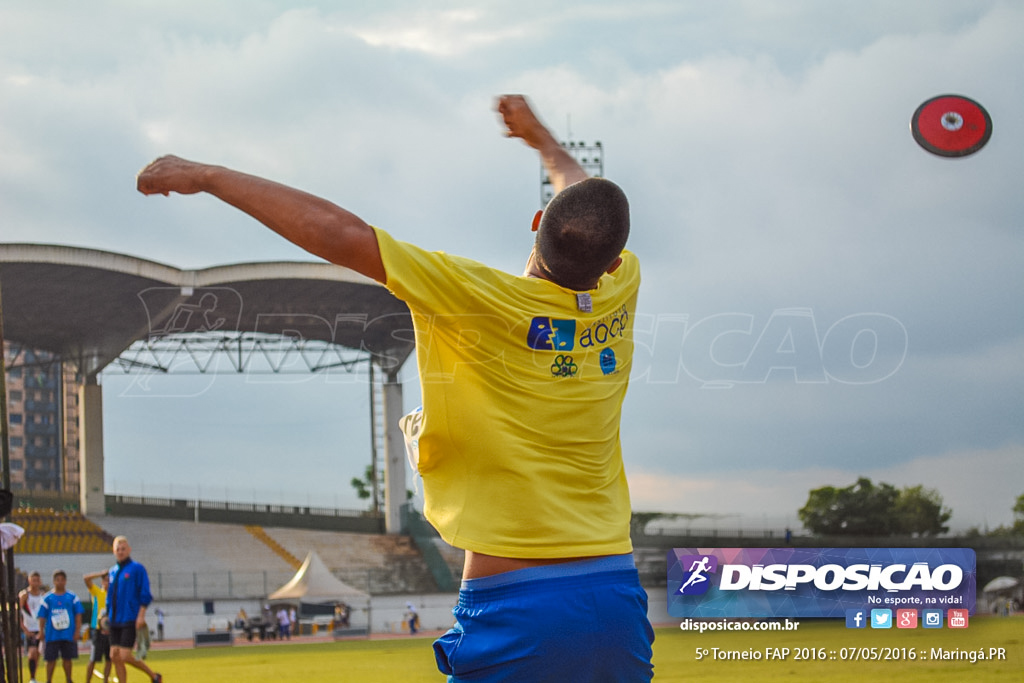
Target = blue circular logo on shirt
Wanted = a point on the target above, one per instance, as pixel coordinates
(608, 362)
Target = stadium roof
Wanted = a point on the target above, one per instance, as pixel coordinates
(90, 306)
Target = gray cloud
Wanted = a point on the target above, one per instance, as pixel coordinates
(765, 149)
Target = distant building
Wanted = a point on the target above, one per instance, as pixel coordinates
(42, 411)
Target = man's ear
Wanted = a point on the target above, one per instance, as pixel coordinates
(615, 264)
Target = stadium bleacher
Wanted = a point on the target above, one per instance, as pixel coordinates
(49, 531)
(189, 560)
(202, 573)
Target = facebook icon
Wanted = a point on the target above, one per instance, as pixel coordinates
(856, 618)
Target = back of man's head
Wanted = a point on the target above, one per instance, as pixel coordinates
(582, 231)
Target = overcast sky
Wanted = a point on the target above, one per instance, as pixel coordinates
(822, 299)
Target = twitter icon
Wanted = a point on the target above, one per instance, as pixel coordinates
(881, 618)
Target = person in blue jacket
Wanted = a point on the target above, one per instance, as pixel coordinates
(127, 599)
(60, 619)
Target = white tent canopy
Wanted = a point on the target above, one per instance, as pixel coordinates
(314, 583)
(1000, 583)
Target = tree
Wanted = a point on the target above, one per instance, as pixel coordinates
(866, 509)
(861, 509)
(1018, 515)
(364, 488)
(919, 512)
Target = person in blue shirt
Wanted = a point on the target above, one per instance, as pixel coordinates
(60, 619)
(127, 599)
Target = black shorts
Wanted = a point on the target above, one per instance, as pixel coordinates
(122, 635)
(32, 641)
(62, 649)
(100, 646)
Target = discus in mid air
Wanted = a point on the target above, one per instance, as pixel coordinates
(951, 126)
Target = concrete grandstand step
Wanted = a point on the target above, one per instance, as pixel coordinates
(375, 563)
(208, 547)
(339, 549)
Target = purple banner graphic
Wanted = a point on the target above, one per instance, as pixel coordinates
(817, 582)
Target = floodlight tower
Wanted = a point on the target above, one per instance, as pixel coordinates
(590, 157)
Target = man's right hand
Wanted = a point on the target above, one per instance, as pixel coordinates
(521, 122)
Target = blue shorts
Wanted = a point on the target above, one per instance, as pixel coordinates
(576, 622)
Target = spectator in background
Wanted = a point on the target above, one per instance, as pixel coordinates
(284, 624)
(127, 599)
(30, 599)
(268, 623)
(412, 618)
(99, 624)
(60, 620)
(341, 615)
(159, 624)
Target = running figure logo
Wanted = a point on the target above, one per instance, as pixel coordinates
(696, 581)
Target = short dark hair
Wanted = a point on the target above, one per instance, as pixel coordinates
(582, 231)
(60, 572)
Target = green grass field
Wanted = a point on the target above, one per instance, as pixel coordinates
(411, 660)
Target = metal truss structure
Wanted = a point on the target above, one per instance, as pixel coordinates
(242, 352)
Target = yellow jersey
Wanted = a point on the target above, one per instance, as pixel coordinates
(522, 390)
(99, 604)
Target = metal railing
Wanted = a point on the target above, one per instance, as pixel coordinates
(263, 514)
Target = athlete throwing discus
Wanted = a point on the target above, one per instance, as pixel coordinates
(519, 442)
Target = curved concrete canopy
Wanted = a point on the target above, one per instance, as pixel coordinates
(89, 306)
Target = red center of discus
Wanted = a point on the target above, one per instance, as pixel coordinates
(952, 124)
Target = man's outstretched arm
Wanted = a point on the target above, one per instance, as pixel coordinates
(522, 123)
(317, 225)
